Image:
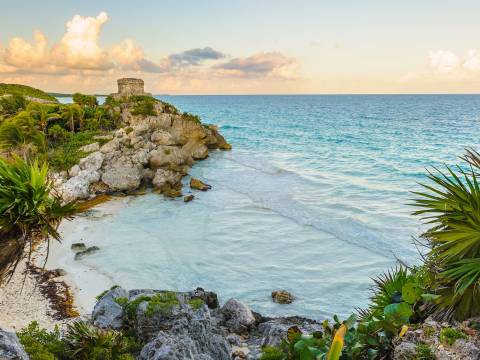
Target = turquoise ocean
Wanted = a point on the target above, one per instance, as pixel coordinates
(313, 199)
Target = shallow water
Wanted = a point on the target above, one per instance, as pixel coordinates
(312, 199)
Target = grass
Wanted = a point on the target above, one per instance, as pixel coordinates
(195, 304)
(15, 89)
(161, 302)
(424, 352)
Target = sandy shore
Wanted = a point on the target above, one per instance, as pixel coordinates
(21, 300)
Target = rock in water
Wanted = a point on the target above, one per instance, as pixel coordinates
(10, 347)
(188, 198)
(199, 185)
(282, 297)
(77, 247)
(237, 316)
(107, 313)
(89, 251)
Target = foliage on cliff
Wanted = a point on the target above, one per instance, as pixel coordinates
(24, 90)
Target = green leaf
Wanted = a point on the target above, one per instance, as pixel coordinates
(411, 293)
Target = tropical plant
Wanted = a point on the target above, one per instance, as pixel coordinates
(86, 342)
(451, 206)
(58, 135)
(30, 211)
(73, 114)
(85, 100)
(21, 130)
(42, 114)
(12, 104)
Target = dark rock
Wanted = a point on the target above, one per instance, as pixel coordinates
(188, 198)
(237, 317)
(282, 297)
(77, 247)
(107, 313)
(90, 250)
(10, 347)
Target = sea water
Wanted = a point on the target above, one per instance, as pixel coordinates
(313, 199)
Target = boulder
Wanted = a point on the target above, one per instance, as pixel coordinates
(169, 156)
(89, 175)
(200, 152)
(237, 317)
(107, 313)
(161, 137)
(166, 177)
(282, 297)
(273, 331)
(75, 188)
(77, 247)
(199, 185)
(74, 170)
(10, 347)
(122, 176)
(110, 146)
(90, 147)
(190, 338)
(93, 161)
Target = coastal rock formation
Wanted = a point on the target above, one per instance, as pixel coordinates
(191, 325)
(282, 297)
(148, 150)
(10, 347)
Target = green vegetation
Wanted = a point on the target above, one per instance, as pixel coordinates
(23, 90)
(191, 117)
(451, 205)
(196, 304)
(85, 100)
(424, 352)
(29, 210)
(450, 335)
(162, 302)
(10, 105)
(41, 344)
(143, 105)
(81, 341)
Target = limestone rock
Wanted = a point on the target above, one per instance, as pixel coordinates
(166, 177)
(273, 331)
(237, 316)
(111, 146)
(161, 137)
(122, 176)
(200, 152)
(10, 347)
(74, 170)
(107, 313)
(90, 147)
(282, 297)
(77, 247)
(169, 156)
(89, 175)
(75, 188)
(93, 161)
(199, 185)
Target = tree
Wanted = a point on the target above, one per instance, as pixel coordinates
(73, 114)
(43, 114)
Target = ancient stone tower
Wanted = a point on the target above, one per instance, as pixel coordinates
(128, 87)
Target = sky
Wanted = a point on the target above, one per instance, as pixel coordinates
(243, 47)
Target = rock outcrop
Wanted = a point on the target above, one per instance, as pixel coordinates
(10, 347)
(192, 325)
(155, 151)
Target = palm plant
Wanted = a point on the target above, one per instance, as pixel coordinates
(452, 207)
(73, 114)
(21, 130)
(43, 114)
(30, 211)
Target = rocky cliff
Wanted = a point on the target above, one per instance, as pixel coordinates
(148, 150)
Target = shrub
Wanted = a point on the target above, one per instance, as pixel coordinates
(41, 344)
(423, 352)
(15, 89)
(161, 302)
(191, 117)
(85, 100)
(21, 130)
(11, 105)
(145, 108)
(196, 304)
(87, 342)
(58, 135)
(449, 335)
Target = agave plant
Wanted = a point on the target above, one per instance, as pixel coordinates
(451, 205)
(87, 342)
(30, 211)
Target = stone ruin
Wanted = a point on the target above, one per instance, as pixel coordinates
(128, 87)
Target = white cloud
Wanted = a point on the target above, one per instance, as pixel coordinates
(444, 61)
